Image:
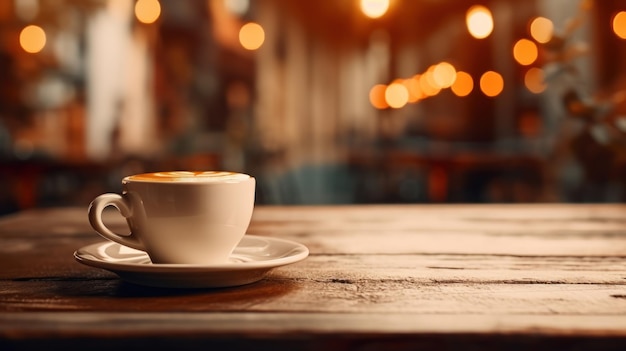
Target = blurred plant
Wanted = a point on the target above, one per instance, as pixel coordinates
(600, 145)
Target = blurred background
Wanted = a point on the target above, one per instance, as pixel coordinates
(324, 102)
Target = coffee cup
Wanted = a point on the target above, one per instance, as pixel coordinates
(180, 217)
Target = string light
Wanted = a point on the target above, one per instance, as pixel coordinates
(377, 96)
(525, 52)
(534, 80)
(444, 74)
(479, 21)
(428, 84)
(32, 39)
(619, 24)
(396, 95)
(413, 87)
(541, 29)
(463, 84)
(147, 11)
(251, 36)
(491, 83)
(374, 8)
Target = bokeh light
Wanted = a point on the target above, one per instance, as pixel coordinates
(444, 74)
(463, 84)
(377, 96)
(251, 36)
(491, 83)
(541, 29)
(147, 11)
(396, 95)
(428, 84)
(374, 8)
(479, 21)
(534, 80)
(619, 24)
(413, 87)
(525, 52)
(32, 39)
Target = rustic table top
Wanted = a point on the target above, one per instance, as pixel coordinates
(549, 276)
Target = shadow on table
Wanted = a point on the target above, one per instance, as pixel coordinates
(117, 295)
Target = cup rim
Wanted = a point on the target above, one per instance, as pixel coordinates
(136, 178)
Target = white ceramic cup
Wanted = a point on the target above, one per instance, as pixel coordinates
(181, 217)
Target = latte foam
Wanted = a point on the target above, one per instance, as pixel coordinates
(190, 176)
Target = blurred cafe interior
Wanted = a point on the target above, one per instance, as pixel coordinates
(324, 102)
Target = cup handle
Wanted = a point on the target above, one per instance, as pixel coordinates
(123, 206)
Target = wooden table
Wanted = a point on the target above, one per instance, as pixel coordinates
(471, 277)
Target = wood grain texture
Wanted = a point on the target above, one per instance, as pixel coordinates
(484, 276)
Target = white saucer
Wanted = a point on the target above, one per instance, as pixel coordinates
(249, 262)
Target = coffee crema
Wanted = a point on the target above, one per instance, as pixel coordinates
(189, 176)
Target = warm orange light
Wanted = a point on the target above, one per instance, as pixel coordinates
(413, 87)
(525, 52)
(534, 80)
(251, 36)
(147, 11)
(396, 95)
(444, 74)
(619, 24)
(430, 77)
(463, 85)
(479, 21)
(428, 84)
(541, 29)
(491, 83)
(377, 96)
(32, 39)
(374, 8)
